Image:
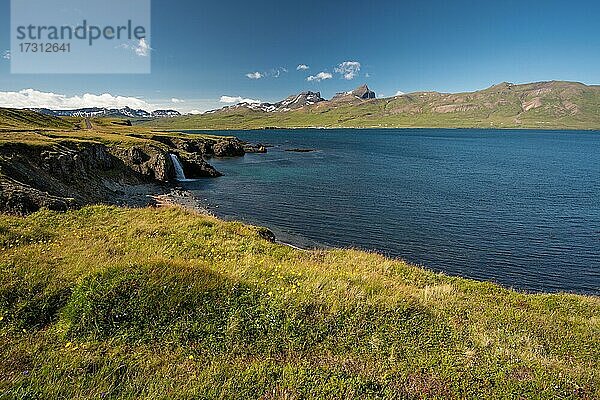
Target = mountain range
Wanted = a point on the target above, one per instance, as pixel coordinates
(540, 105)
(125, 112)
(298, 101)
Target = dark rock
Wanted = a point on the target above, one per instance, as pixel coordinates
(363, 92)
(266, 234)
(72, 160)
(191, 145)
(151, 162)
(71, 174)
(255, 148)
(123, 123)
(19, 199)
(228, 148)
(138, 156)
(194, 166)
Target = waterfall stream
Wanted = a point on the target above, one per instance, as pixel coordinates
(179, 174)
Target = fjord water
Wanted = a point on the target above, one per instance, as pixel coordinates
(521, 208)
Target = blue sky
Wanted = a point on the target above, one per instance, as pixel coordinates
(203, 50)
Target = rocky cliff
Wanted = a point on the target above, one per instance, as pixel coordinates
(362, 93)
(72, 173)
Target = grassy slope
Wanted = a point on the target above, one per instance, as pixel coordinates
(103, 131)
(147, 303)
(11, 119)
(564, 105)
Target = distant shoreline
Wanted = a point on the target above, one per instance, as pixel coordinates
(187, 130)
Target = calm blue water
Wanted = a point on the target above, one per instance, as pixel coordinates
(521, 208)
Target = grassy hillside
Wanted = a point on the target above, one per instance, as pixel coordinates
(53, 130)
(548, 105)
(11, 119)
(158, 304)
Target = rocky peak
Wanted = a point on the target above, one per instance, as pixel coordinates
(292, 102)
(300, 100)
(362, 92)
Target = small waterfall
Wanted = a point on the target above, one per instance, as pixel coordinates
(179, 174)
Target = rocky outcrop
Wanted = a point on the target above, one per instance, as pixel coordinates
(19, 199)
(195, 166)
(191, 145)
(362, 92)
(149, 161)
(72, 173)
(255, 148)
(228, 148)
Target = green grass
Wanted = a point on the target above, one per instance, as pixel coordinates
(51, 131)
(109, 302)
(11, 119)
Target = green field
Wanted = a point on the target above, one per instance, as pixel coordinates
(11, 119)
(545, 105)
(120, 303)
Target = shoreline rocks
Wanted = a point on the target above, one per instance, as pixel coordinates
(74, 173)
(255, 148)
(228, 148)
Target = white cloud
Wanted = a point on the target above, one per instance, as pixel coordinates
(302, 67)
(399, 93)
(321, 76)
(276, 73)
(348, 69)
(142, 49)
(175, 100)
(6, 55)
(195, 112)
(254, 75)
(237, 99)
(30, 98)
(272, 73)
(367, 75)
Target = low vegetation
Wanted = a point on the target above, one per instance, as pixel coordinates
(11, 119)
(46, 130)
(107, 302)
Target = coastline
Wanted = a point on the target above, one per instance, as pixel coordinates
(402, 128)
(185, 199)
(98, 288)
(134, 174)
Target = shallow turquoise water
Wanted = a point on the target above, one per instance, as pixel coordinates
(521, 208)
